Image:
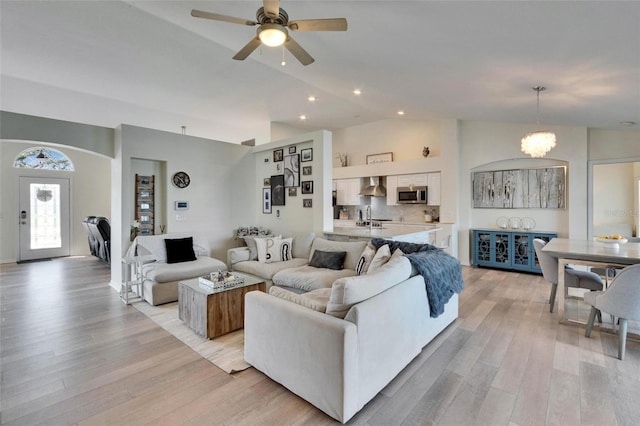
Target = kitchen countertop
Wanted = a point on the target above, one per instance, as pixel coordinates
(387, 231)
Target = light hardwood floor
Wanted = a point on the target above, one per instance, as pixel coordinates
(72, 353)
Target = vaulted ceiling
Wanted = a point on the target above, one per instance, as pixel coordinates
(150, 63)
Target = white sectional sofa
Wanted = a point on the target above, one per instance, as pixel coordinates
(295, 274)
(161, 278)
(338, 347)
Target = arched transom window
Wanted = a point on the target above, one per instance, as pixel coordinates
(44, 159)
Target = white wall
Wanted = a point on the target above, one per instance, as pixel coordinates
(405, 138)
(90, 193)
(613, 195)
(495, 146)
(221, 193)
(294, 217)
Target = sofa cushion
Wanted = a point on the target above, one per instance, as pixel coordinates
(301, 243)
(265, 246)
(179, 250)
(382, 256)
(308, 278)
(267, 270)
(353, 249)
(316, 300)
(251, 244)
(328, 259)
(164, 272)
(365, 260)
(346, 292)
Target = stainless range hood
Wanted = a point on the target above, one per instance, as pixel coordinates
(375, 189)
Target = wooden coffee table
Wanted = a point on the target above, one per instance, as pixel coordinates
(212, 313)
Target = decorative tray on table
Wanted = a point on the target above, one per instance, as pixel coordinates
(219, 280)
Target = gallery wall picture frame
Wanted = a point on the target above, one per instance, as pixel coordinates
(279, 167)
(293, 192)
(534, 188)
(384, 157)
(266, 182)
(292, 170)
(277, 190)
(266, 200)
(307, 203)
(278, 155)
(292, 149)
(306, 154)
(306, 171)
(307, 187)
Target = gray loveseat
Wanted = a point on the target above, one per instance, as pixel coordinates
(161, 278)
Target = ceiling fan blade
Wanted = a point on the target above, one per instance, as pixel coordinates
(271, 8)
(217, 17)
(329, 24)
(247, 49)
(297, 51)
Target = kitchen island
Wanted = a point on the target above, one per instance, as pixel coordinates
(407, 233)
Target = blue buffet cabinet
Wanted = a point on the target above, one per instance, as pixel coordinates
(507, 249)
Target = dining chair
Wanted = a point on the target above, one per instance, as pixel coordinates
(621, 299)
(572, 277)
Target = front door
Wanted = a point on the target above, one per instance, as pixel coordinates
(44, 218)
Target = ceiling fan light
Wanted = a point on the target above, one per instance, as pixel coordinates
(272, 34)
(538, 144)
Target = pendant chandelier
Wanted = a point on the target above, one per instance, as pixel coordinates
(538, 144)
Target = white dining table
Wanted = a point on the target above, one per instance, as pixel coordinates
(590, 253)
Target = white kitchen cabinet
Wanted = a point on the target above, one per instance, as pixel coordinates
(348, 192)
(417, 179)
(433, 189)
(392, 190)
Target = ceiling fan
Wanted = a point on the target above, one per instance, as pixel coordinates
(272, 23)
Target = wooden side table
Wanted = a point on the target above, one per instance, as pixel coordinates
(212, 313)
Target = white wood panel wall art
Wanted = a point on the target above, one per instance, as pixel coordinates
(538, 188)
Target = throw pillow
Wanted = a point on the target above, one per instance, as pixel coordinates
(383, 254)
(251, 245)
(328, 259)
(365, 260)
(179, 250)
(263, 245)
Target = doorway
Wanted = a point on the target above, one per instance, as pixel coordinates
(44, 218)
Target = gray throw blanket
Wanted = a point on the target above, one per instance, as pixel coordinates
(442, 272)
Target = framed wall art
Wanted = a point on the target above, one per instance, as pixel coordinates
(292, 170)
(385, 157)
(306, 170)
(307, 154)
(293, 192)
(278, 155)
(536, 188)
(307, 203)
(277, 190)
(307, 187)
(292, 149)
(266, 200)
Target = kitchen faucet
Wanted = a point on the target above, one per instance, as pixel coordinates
(368, 216)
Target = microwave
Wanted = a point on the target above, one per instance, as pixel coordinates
(412, 195)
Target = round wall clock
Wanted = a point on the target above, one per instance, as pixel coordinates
(181, 179)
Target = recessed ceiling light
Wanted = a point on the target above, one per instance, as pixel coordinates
(312, 98)
(401, 112)
(357, 91)
(303, 117)
(628, 123)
